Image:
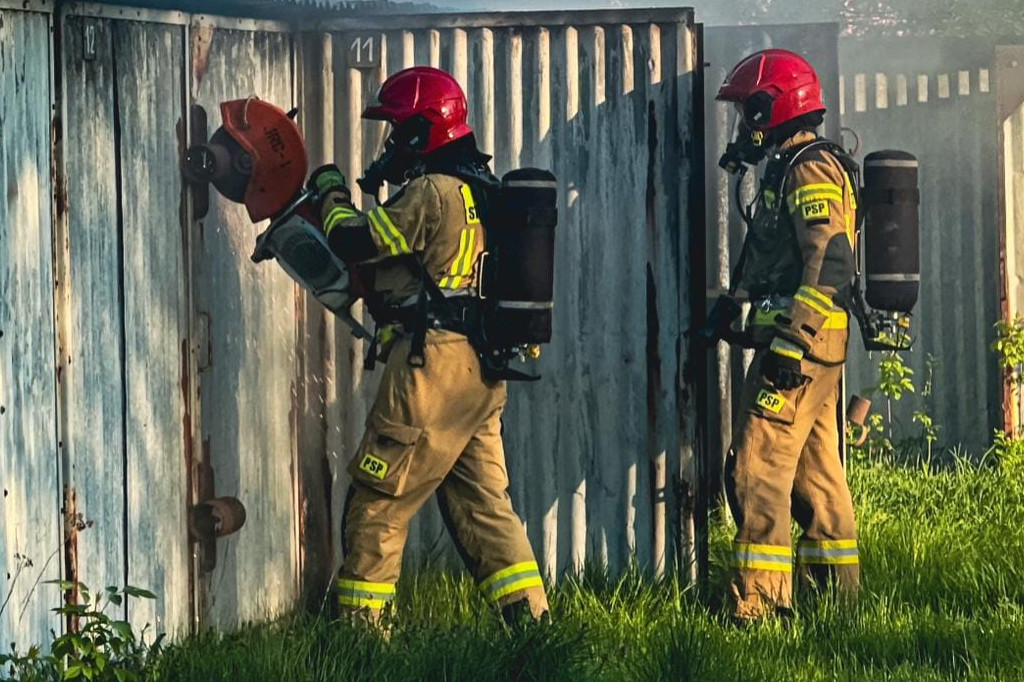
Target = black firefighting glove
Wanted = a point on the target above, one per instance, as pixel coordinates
(783, 371)
(326, 179)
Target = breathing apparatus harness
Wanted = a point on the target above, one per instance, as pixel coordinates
(880, 330)
(473, 314)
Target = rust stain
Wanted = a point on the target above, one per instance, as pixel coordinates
(202, 39)
(186, 422)
(74, 523)
(653, 358)
(57, 180)
(190, 456)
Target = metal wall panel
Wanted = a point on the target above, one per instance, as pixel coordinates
(29, 468)
(248, 383)
(150, 60)
(90, 290)
(605, 101)
(724, 48)
(944, 113)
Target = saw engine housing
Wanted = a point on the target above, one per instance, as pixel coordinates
(258, 158)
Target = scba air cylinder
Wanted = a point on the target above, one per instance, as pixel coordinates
(521, 283)
(891, 231)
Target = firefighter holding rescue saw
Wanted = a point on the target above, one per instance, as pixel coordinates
(436, 423)
(797, 271)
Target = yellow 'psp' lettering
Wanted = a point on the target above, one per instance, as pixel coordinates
(773, 402)
(817, 209)
(472, 214)
(374, 466)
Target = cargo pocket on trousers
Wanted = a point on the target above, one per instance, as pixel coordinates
(385, 455)
(774, 405)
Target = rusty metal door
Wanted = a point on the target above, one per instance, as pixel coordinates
(29, 466)
(248, 319)
(122, 303)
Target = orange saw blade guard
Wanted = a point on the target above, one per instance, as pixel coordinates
(279, 163)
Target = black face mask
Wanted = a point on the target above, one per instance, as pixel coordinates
(748, 149)
(402, 152)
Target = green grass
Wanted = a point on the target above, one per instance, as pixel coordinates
(943, 564)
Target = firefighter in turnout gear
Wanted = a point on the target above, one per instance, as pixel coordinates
(796, 270)
(436, 423)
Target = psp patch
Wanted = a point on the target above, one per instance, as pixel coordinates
(816, 209)
(374, 466)
(773, 402)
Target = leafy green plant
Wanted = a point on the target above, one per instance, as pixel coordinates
(929, 432)
(895, 377)
(1009, 346)
(1008, 453)
(99, 649)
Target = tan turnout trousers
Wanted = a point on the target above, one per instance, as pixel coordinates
(435, 429)
(784, 464)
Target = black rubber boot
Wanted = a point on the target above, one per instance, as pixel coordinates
(519, 618)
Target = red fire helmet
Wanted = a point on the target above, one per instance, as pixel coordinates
(773, 87)
(428, 92)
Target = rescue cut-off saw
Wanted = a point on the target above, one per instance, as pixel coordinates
(257, 157)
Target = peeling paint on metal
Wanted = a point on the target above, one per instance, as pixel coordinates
(149, 96)
(94, 416)
(29, 523)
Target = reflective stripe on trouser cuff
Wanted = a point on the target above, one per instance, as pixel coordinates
(829, 552)
(359, 594)
(763, 557)
(512, 579)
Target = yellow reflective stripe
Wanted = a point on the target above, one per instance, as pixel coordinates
(336, 216)
(379, 588)
(754, 565)
(361, 602)
(383, 233)
(774, 550)
(452, 281)
(360, 594)
(787, 349)
(517, 586)
(807, 300)
(853, 195)
(756, 557)
(829, 552)
(814, 192)
(837, 319)
(811, 291)
(467, 267)
(831, 560)
(396, 234)
(515, 569)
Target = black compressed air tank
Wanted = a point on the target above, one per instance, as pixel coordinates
(891, 199)
(521, 261)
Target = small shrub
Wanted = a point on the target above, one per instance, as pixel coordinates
(100, 649)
